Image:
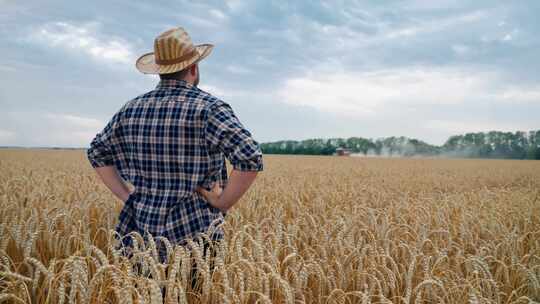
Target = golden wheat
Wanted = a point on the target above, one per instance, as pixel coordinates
(311, 230)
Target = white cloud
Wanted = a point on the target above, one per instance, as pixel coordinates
(234, 5)
(362, 93)
(6, 137)
(437, 25)
(77, 122)
(236, 69)
(48, 129)
(507, 37)
(85, 39)
(429, 5)
(519, 94)
(348, 39)
(20, 65)
(460, 49)
(262, 60)
(7, 68)
(456, 127)
(290, 35)
(199, 22)
(220, 92)
(218, 14)
(71, 130)
(503, 36)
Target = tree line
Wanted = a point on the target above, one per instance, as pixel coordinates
(493, 144)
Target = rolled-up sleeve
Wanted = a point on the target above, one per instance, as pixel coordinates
(225, 132)
(100, 153)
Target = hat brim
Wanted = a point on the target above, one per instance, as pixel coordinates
(146, 63)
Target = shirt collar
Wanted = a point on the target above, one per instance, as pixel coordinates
(174, 84)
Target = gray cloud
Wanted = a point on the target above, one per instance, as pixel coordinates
(83, 39)
(291, 70)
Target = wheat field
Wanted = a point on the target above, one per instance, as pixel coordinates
(310, 230)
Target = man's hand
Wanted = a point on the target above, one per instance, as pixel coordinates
(211, 196)
(237, 185)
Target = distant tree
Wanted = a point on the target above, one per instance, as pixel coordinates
(493, 144)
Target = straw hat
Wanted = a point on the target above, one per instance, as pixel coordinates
(173, 52)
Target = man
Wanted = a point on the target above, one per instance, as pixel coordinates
(171, 144)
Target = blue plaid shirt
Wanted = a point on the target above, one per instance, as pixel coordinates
(166, 143)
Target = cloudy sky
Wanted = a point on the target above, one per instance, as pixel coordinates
(290, 69)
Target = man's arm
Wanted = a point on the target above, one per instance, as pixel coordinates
(239, 182)
(101, 158)
(225, 132)
(110, 177)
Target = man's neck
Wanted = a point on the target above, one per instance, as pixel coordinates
(174, 82)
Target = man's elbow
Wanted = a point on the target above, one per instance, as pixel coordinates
(98, 160)
(250, 166)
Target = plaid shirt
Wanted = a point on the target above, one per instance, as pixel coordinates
(166, 143)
